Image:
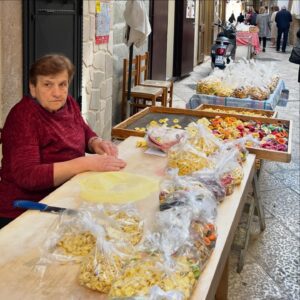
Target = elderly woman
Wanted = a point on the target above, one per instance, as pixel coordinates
(274, 26)
(44, 139)
(263, 23)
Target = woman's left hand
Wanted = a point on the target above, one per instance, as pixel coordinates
(100, 146)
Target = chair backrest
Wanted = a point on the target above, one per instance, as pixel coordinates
(134, 73)
(143, 61)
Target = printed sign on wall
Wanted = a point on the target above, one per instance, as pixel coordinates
(102, 22)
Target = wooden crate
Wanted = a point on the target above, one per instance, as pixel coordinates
(185, 116)
(267, 113)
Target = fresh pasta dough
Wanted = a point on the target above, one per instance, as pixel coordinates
(116, 187)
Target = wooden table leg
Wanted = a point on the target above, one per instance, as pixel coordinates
(222, 291)
(258, 204)
(246, 241)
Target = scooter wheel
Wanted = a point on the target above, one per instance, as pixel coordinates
(212, 65)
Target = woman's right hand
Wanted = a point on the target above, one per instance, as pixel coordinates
(63, 171)
(104, 163)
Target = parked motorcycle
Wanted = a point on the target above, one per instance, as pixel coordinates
(224, 48)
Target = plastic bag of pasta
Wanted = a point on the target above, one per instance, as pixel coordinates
(200, 245)
(139, 279)
(202, 138)
(187, 191)
(211, 181)
(124, 223)
(72, 237)
(99, 269)
(240, 145)
(163, 138)
(187, 159)
(229, 170)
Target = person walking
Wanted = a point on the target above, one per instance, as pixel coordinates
(274, 26)
(241, 18)
(232, 18)
(263, 23)
(283, 19)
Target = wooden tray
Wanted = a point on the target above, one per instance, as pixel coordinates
(185, 116)
(267, 113)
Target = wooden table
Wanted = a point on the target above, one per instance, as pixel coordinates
(21, 240)
(246, 38)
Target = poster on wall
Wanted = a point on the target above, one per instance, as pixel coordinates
(102, 22)
(190, 9)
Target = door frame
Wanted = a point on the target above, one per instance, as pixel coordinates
(29, 42)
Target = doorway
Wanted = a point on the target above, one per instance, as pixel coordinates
(201, 30)
(53, 26)
(183, 60)
(158, 18)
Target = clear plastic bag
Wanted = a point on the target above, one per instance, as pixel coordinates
(163, 138)
(187, 191)
(101, 268)
(201, 244)
(73, 237)
(229, 170)
(202, 138)
(139, 279)
(211, 181)
(187, 159)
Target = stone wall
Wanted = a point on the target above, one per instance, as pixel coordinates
(11, 84)
(97, 74)
(101, 70)
(120, 51)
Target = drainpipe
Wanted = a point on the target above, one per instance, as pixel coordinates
(290, 5)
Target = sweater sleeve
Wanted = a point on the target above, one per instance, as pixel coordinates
(21, 147)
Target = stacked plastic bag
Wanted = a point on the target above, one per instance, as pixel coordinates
(242, 79)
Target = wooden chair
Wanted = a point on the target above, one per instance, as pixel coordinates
(143, 61)
(142, 96)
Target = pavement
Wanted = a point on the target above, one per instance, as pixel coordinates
(271, 269)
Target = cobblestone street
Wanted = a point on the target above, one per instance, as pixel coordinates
(271, 269)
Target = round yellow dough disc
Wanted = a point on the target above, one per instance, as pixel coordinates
(116, 187)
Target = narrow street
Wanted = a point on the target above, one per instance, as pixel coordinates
(271, 269)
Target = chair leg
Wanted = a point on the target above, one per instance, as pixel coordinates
(123, 107)
(164, 99)
(171, 95)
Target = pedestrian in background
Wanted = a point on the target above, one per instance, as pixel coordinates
(263, 23)
(249, 15)
(274, 30)
(283, 19)
(232, 18)
(241, 18)
(295, 55)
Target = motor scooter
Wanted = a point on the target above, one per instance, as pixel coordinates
(224, 48)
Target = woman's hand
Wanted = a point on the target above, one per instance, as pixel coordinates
(99, 146)
(104, 163)
(63, 171)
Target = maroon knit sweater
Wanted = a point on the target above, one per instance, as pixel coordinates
(32, 140)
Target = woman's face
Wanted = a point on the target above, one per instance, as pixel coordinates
(51, 91)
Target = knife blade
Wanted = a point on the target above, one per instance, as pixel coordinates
(26, 204)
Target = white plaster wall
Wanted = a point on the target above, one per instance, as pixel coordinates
(170, 39)
(11, 85)
(97, 74)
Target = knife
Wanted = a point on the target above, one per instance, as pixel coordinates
(26, 204)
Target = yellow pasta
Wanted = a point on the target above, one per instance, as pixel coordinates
(79, 244)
